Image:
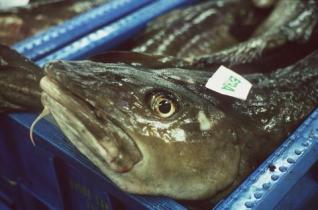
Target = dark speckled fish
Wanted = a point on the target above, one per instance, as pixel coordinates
(288, 34)
(226, 34)
(201, 29)
(19, 78)
(159, 131)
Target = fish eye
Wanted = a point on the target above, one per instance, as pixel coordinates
(163, 105)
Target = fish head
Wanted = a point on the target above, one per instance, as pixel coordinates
(149, 130)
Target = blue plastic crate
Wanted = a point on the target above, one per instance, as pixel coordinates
(292, 182)
(6, 192)
(110, 36)
(53, 175)
(45, 42)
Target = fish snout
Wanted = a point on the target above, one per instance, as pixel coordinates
(56, 69)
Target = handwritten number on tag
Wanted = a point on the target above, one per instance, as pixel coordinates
(231, 84)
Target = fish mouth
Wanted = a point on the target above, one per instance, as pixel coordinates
(104, 143)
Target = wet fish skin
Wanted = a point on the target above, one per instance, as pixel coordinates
(144, 153)
(157, 146)
(201, 29)
(137, 164)
(286, 36)
(203, 142)
(19, 82)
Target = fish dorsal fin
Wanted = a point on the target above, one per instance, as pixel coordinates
(139, 59)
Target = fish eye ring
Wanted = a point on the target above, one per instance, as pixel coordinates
(162, 105)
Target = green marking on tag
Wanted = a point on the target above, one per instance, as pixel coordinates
(231, 84)
(227, 87)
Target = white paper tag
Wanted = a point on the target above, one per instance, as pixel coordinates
(7, 4)
(227, 82)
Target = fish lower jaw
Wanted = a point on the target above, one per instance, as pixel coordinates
(53, 90)
(107, 146)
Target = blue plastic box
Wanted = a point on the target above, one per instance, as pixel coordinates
(53, 175)
(43, 43)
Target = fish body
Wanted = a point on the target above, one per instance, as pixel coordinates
(19, 82)
(288, 34)
(200, 29)
(269, 42)
(153, 130)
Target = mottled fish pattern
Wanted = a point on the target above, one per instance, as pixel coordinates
(229, 33)
(177, 131)
(150, 130)
(201, 29)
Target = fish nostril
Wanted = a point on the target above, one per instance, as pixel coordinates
(101, 115)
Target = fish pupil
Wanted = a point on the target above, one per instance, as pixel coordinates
(164, 106)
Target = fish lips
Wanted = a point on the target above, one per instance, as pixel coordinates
(94, 133)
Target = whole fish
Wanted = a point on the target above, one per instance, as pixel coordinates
(200, 29)
(288, 34)
(159, 131)
(19, 23)
(228, 33)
